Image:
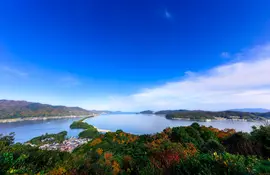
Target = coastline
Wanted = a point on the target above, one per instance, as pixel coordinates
(39, 118)
(98, 129)
(102, 130)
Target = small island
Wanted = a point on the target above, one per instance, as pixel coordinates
(89, 130)
(146, 112)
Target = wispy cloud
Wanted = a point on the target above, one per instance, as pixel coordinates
(11, 71)
(225, 55)
(167, 14)
(245, 83)
(69, 81)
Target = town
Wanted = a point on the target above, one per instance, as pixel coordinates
(67, 145)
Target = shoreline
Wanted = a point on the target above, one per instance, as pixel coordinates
(39, 118)
(102, 130)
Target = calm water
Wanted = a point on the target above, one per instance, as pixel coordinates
(133, 123)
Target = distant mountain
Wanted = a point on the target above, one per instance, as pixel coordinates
(101, 111)
(147, 112)
(265, 115)
(23, 109)
(260, 110)
(229, 114)
(170, 111)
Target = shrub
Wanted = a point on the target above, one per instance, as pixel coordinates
(89, 133)
(262, 135)
(212, 146)
(241, 143)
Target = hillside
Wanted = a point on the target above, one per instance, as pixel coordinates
(172, 114)
(191, 150)
(23, 109)
(266, 115)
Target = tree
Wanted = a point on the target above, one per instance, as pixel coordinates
(212, 146)
(7, 139)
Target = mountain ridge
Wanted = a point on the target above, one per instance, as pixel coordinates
(259, 110)
(10, 109)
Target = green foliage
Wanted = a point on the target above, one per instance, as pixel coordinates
(89, 133)
(80, 125)
(262, 135)
(241, 143)
(6, 140)
(49, 138)
(19, 159)
(207, 134)
(215, 164)
(181, 150)
(186, 135)
(195, 125)
(212, 146)
(89, 130)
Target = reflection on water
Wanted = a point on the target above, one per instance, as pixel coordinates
(133, 123)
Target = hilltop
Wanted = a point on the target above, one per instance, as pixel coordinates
(10, 109)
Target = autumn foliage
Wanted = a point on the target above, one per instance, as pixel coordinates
(180, 150)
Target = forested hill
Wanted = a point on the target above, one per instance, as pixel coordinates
(23, 109)
(211, 114)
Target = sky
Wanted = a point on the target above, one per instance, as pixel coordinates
(137, 54)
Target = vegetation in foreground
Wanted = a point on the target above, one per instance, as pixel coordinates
(180, 150)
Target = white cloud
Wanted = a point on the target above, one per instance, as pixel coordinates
(225, 55)
(245, 83)
(7, 70)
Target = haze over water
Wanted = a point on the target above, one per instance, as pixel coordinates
(132, 123)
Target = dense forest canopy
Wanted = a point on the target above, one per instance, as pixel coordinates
(193, 149)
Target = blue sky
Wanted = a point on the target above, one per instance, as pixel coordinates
(136, 54)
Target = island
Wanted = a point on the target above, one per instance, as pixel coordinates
(89, 130)
(146, 112)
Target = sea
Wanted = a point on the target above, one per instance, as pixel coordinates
(128, 122)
